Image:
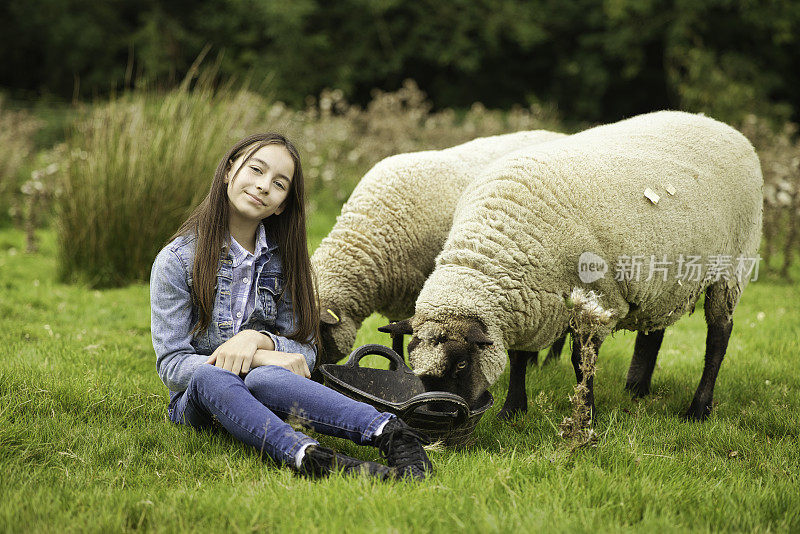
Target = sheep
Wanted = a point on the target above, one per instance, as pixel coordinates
(384, 242)
(661, 186)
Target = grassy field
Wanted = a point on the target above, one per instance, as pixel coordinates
(85, 444)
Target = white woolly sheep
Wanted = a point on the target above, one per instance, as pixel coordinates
(384, 243)
(663, 187)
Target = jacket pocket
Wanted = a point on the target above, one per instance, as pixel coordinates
(270, 288)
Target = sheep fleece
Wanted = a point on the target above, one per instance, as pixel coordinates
(512, 253)
(385, 241)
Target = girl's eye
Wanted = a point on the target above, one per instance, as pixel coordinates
(256, 170)
(280, 185)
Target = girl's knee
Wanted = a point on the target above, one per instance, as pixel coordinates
(264, 375)
(207, 373)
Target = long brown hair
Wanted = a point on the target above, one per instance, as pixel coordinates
(209, 222)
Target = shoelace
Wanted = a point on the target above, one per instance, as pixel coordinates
(402, 441)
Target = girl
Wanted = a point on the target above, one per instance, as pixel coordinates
(234, 321)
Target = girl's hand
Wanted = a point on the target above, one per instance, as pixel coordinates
(295, 363)
(236, 354)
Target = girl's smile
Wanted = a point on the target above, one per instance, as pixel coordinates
(255, 200)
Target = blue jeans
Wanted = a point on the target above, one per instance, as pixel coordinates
(254, 409)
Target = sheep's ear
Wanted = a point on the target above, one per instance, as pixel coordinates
(327, 316)
(400, 327)
(476, 335)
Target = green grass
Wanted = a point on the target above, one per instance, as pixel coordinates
(85, 444)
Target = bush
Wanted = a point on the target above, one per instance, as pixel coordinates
(342, 141)
(17, 131)
(779, 152)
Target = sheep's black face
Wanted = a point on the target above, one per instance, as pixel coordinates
(337, 336)
(447, 360)
(457, 377)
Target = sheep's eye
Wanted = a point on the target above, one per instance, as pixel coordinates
(461, 365)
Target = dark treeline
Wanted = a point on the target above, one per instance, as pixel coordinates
(596, 60)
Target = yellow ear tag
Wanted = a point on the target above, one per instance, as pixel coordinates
(334, 315)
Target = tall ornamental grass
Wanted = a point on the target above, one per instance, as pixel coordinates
(137, 166)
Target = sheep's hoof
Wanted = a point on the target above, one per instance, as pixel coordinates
(698, 412)
(637, 390)
(507, 414)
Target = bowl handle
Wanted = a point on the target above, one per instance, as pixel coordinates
(380, 350)
(457, 404)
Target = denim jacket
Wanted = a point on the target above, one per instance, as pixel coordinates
(172, 316)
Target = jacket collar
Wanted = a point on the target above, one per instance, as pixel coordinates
(264, 247)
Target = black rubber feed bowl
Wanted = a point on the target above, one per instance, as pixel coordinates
(438, 414)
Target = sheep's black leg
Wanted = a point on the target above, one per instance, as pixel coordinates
(576, 364)
(517, 398)
(555, 350)
(576, 359)
(397, 346)
(720, 302)
(716, 345)
(643, 362)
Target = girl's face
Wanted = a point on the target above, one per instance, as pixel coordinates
(262, 184)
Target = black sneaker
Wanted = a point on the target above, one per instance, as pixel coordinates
(401, 445)
(321, 461)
